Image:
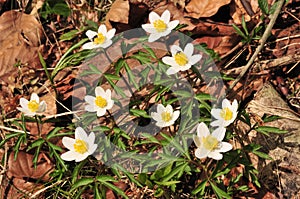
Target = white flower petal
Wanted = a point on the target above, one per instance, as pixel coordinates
(149, 28)
(160, 108)
(35, 97)
(81, 157)
(160, 124)
(69, 155)
(108, 94)
(92, 149)
(197, 141)
(153, 37)
(173, 24)
(89, 46)
(90, 108)
(166, 16)
(217, 123)
(99, 91)
(111, 33)
(235, 105)
(169, 60)
(202, 130)
(201, 152)
(153, 16)
(101, 112)
(175, 115)
(68, 143)
(42, 107)
(90, 99)
(91, 139)
(226, 103)
(215, 155)
(106, 44)
(24, 102)
(175, 49)
(80, 134)
(219, 133)
(216, 113)
(91, 34)
(171, 71)
(225, 147)
(165, 33)
(102, 29)
(110, 104)
(189, 49)
(194, 59)
(156, 116)
(169, 108)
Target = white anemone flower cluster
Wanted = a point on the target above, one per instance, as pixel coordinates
(181, 60)
(33, 106)
(100, 103)
(159, 26)
(226, 115)
(210, 144)
(100, 39)
(79, 148)
(165, 116)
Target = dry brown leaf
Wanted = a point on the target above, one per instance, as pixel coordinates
(237, 11)
(119, 13)
(19, 40)
(23, 166)
(204, 8)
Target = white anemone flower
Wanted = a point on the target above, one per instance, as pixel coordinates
(226, 115)
(32, 107)
(79, 148)
(210, 145)
(181, 60)
(100, 103)
(100, 39)
(165, 116)
(159, 26)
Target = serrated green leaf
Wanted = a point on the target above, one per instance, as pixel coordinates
(81, 182)
(262, 155)
(219, 192)
(138, 112)
(36, 143)
(264, 6)
(270, 129)
(69, 35)
(200, 188)
(168, 183)
(239, 31)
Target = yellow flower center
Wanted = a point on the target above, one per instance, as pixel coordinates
(160, 25)
(181, 59)
(100, 101)
(210, 142)
(33, 106)
(166, 116)
(80, 146)
(99, 39)
(226, 114)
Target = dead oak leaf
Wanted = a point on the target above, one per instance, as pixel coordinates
(204, 8)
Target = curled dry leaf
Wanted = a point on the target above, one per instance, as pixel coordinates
(238, 10)
(204, 8)
(118, 13)
(19, 41)
(23, 166)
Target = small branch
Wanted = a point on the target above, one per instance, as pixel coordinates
(262, 43)
(13, 130)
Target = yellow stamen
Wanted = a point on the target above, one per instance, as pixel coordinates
(181, 59)
(33, 106)
(210, 142)
(166, 116)
(99, 39)
(100, 101)
(226, 114)
(80, 146)
(160, 25)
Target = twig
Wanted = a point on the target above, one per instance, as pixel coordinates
(13, 130)
(262, 43)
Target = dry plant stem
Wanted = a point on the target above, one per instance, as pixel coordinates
(262, 43)
(13, 130)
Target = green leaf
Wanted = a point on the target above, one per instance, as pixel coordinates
(36, 143)
(167, 183)
(105, 178)
(81, 182)
(270, 129)
(61, 9)
(150, 51)
(239, 31)
(53, 132)
(200, 188)
(273, 7)
(138, 113)
(264, 6)
(114, 188)
(219, 192)
(76, 170)
(69, 35)
(244, 25)
(204, 96)
(183, 93)
(262, 155)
